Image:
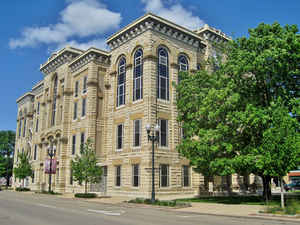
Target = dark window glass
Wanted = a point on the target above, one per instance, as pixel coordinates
(54, 101)
(81, 140)
(33, 173)
(186, 176)
(120, 136)
(71, 177)
(163, 134)
(164, 175)
(135, 175)
(38, 108)
(84, 89)
(73, 144)
(138, 75)
(37, 125)
(137, 133)
(121, 82)
(163, 75)
(24, 128)
(76, 88)
(20, 127)
(35, 152)
(75, 111)
(118, 176)
(83, 107)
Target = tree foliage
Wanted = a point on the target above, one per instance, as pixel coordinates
(23, 167)
(7, 140)
(84, 166)
(241, 118)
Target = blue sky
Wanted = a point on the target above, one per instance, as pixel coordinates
(32, 29)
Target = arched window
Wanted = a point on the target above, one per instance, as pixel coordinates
(163, 74)
(54, 101)
(138, 75)
(121, 82)
(183, 64)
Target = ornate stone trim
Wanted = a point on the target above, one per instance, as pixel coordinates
(107, 85)
(64, 140)
(92, 83)
(128, 66)
(113, 73)
(150, 57)
(68, 93)
(174, 65)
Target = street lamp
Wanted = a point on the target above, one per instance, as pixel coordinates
(154, 137)
(51, 153)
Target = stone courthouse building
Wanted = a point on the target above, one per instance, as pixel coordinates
(109, 97)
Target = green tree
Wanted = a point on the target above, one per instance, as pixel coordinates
(84, 166)
(228, 114)
(7, 140)
(23, 167)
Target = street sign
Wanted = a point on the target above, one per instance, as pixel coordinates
(47, 166)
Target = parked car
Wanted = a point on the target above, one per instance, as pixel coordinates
(292, 186)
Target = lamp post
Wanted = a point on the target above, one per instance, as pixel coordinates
(154, 137)
(51, 153)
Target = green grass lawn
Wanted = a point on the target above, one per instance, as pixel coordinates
(246, 200)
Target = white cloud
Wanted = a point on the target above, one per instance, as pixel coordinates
(175, 13)
(81, 18)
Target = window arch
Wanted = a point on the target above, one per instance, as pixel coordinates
(54, 101)
(121, 82)
(183, 63)
(163, 74)
(138, 75)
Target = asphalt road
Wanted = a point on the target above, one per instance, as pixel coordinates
(36, 209)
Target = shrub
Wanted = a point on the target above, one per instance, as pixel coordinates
(170, 203)
(291, 208)
(85, 195)
(22, 189)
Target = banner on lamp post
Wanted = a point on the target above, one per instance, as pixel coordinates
(47, 166)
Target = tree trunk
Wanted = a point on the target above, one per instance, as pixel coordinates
(267, 194)
(228, 184)
(85, 187)
(281, 193)
(7, 181)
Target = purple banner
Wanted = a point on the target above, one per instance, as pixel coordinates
(47, 166)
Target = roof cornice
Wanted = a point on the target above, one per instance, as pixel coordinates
(212, 34)
(88, 56)
(24, 97)
(65, 55)
(156, 23)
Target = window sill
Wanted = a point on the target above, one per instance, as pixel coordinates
(120, 107)
(83, 117)
(163, 101)
(137, 101)
(119, 150)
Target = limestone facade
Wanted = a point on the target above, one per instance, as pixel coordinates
(95, 94)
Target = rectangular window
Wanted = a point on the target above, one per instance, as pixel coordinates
(20, 127)
(164, 175)
(186, 176)
(38, 108)
(163, 134)
(118, 176)
(24, 128)
(84, 88)
(135, 175)
(83, 107)
(37, 125)
(35, 152)
(73, 144)
(33, 173)
(71, 177)
(137, 133)
(81, 141)
(76, 88)
(120, 130)
(75, 111)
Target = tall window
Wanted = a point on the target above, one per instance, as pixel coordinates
(54, 101)
(84, 88)
(135, 175)
(186, 176)
(75, 111)
(163, 75)
(120, 130)
(37, 125)
(76, 88)
(163, 134)
(24, 127)
(38, 108)
(183, 63)
(164, 175)
(138, 75)
(71, 177)
(20, 127)
(81, 140)
(121, 82)
(118, 176)
(32, 178)
(83, 107)
(73, 144)
(137, 133)
(35, 152)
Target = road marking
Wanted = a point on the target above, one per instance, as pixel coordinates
(188, 216)
(47, 206)
(109, 213)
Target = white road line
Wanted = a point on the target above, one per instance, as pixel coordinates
(109, 213)
(47, 206)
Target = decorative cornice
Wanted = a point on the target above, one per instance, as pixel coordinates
(213, 34)
(155, 23)
(92, 83)
(65, 55)
(91, 54)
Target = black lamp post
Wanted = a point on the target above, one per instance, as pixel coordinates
(154, 136)
(51, 153)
